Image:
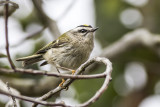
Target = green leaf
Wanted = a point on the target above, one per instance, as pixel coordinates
(2, 55)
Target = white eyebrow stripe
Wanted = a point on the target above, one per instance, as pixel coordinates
(78, 28)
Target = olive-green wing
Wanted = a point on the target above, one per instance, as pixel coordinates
(55, 44)
(45, 48)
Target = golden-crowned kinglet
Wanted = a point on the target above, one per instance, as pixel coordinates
(69, 51)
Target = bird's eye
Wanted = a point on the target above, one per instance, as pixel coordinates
(82, 30)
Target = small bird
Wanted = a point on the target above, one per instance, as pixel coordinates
(68, 52)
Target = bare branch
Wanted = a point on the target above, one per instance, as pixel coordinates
(25, 98)
(13, 99)
(11, 102)
(16, 94)
(80, 70)
(39, 72)
(6, 35)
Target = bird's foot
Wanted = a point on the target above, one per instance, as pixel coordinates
(61, 85)
(73, 71)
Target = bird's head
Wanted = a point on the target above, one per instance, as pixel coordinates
(82, 31)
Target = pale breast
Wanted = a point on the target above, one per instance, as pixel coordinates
(69, 57)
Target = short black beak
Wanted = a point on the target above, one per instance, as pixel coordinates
(94, 29)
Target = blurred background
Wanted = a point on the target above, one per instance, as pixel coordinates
(136, 71)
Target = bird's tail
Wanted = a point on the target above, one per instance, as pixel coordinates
(30, 59)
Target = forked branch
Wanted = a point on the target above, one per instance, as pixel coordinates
(106, 74)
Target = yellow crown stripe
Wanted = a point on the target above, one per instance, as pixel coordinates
(86, 25)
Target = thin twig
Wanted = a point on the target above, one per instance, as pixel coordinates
(10, 90)
(29, 99)
(13, 99)
(6, 35)
(39, 72)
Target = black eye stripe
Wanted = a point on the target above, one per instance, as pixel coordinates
(82, 30)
